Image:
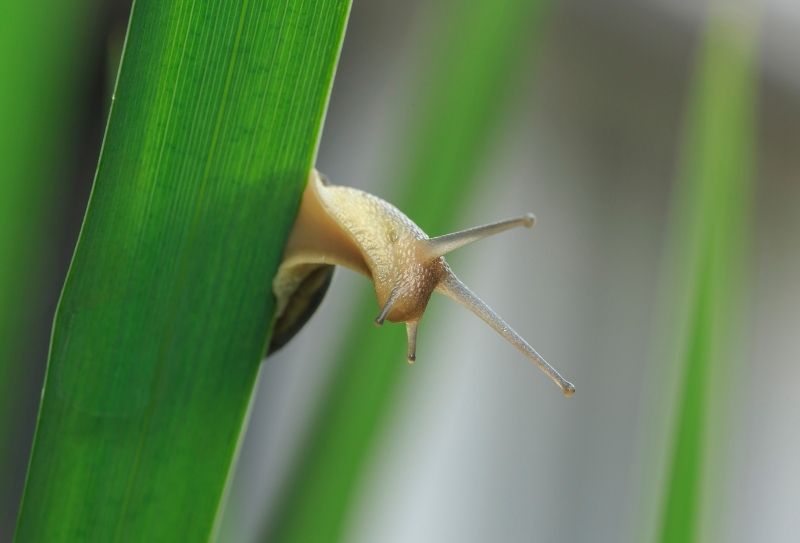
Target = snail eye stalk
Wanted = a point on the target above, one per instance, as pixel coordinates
(441, 245)
(453, 288)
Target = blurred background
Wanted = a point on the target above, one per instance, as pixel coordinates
(657, 142)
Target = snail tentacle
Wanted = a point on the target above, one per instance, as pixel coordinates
(441, 245)
(411, 331)
(387, 307)
(453, 288)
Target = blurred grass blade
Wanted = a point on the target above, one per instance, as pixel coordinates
(711, 257)
(165, 312)
(477, 51)
(40, 51)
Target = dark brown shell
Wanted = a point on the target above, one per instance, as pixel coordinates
(302, 304)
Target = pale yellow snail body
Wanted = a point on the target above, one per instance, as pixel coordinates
(347, 227)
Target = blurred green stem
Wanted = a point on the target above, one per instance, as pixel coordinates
(40, 52)
(712, 222)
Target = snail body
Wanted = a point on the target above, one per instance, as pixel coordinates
(343, 226)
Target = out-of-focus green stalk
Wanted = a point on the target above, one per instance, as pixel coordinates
(712, 223)
(40, 50)
(476, 53)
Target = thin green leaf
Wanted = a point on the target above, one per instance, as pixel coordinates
(714, 216)
(166, 309)
(479, 47)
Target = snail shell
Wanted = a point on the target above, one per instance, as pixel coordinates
(343, 226)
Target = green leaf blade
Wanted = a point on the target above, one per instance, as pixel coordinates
(166, 309)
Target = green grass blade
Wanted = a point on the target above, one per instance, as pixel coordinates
(715, 217)
(165, 312)
(479, 47)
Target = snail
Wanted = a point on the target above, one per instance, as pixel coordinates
(343, 226)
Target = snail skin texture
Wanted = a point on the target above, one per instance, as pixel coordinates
(343, 226)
